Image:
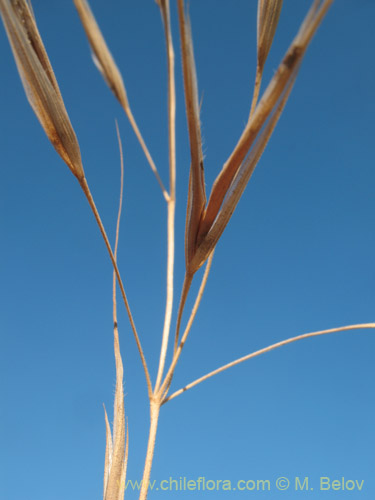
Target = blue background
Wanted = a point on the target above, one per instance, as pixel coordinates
(297, 256)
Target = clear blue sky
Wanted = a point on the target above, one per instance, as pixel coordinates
(298, 256)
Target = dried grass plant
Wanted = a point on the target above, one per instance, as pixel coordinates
(206, 216)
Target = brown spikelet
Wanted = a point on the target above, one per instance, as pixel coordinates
(39, 81)
(268, 18)
(241, 179)
(196, 193)
(222, 198)
(102, 56)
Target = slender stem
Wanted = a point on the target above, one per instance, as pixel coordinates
(119, 211)
(90, 199)
(119, 392)
(155, 402)
(137, 132)
(169, 298)
(184, 293)
(168, 378)
(164, 6)
(267, 349)
(154, 418)
(171, 99)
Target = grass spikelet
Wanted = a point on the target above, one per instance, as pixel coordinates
(101, 55)
(242, 177)
(268, 19)
(269, 102)
(39, 81)
(196, 193)
(115, 464)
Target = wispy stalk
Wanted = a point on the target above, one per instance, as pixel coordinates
(105, 63)
(167, 380)
(171, 201)
(119, 394)
(91, 202)
(263, 351)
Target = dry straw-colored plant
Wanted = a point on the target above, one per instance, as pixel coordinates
(206, 216)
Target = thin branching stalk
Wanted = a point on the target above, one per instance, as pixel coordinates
(205, 221)
(171, 208)
(91, 202)
(263, 351)
(181, 306)
(169, 295)
(165, 12)
(115, 248)
(164, 388)
(147, 154)
(118, 394)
